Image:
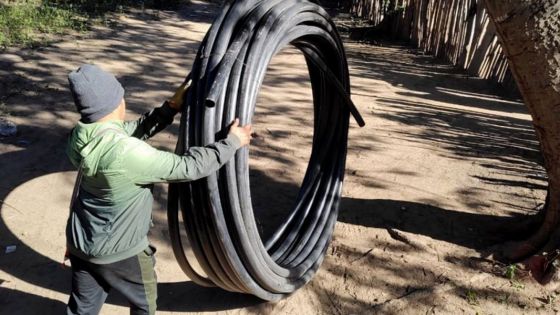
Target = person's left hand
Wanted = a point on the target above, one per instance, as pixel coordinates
(242, 133)
(176, 102)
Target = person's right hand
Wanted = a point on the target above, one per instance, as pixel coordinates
(243, 133)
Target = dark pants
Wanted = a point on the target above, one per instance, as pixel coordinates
(133, 277)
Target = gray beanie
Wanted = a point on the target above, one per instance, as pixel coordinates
(96, 92)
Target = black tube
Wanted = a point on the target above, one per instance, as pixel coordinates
(217, 211)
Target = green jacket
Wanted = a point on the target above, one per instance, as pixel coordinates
(111, 217)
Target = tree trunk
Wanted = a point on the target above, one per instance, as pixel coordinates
(529, 31)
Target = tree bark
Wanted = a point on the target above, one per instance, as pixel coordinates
(529, 31)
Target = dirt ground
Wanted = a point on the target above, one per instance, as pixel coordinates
(444, 161)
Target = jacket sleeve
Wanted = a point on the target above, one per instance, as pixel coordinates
(144, 164)
(150, 123)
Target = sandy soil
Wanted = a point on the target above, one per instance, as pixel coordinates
(443, 162)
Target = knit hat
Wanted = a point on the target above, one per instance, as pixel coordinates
(96, 92)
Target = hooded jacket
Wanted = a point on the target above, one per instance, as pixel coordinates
(111, 216)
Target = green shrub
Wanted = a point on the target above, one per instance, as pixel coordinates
(28, 23)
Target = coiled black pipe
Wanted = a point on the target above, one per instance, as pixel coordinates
(216, 211)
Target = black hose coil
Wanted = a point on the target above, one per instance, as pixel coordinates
(217, 211)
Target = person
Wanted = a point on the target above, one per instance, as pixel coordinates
(110, 216)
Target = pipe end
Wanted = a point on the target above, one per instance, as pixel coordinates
(209, 103)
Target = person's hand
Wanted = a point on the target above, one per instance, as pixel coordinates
(243, 133)
(176, 102)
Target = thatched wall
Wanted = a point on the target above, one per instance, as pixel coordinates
(456, 30)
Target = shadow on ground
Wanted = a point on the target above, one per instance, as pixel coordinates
(30, 92)
(482, 135)
(483, 123)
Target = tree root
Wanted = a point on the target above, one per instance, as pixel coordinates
(519, 228)
(540, 252)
